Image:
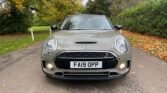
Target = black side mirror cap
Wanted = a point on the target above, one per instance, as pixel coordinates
(53, 28)
(118, 27)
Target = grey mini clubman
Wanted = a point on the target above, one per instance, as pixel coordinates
(86, 47)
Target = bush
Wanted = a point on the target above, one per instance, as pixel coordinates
(14, 21)
(147, 18)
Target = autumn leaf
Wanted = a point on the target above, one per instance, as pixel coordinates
(154, 45)
(18, 4)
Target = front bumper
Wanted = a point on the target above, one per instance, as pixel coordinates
(86, 74)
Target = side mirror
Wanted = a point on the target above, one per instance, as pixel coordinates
(118, 27)
(53, 28)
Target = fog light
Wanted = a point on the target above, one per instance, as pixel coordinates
(49, 66)
(122, 66)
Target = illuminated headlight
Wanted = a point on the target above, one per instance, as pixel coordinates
(50, 46)
(120, 45)
(122, 66)
(49, 66)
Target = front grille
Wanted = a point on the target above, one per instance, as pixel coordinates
(62, 61)
(85, 55)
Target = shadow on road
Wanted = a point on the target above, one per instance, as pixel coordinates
(80, 82)
(90, 85)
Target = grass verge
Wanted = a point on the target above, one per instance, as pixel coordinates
(9, 43)
(154, 45)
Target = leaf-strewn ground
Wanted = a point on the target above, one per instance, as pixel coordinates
(154, 45)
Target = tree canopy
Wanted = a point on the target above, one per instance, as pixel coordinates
(55, 10)
(19, 16)
(99, 7)
(109, 7)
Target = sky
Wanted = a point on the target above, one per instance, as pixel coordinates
(1, 1)
(84, 2)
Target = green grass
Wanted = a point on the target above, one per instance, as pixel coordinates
(9, 43)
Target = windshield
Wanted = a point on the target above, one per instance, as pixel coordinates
(86, 23)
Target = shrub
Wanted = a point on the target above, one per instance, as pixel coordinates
(147, 18)
(15, 21)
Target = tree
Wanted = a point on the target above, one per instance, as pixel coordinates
(19, 17)
(99, 7)
(109, 7)
(56, 10)
(117, 6)
(16, 19)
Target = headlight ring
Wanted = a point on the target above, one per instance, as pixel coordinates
(121, 45)
(50, 46)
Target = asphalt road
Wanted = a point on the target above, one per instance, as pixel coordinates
(20, 72)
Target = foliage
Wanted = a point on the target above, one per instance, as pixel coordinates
(147, 18)
(17, 19)
(18, 4)
(99, 7)
(109, 7)
(154, 45)
(56, 10)
(118, 6)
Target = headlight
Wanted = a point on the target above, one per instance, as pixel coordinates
(50, 46)
(120, 45)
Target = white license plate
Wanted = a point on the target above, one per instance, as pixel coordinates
(86, 64)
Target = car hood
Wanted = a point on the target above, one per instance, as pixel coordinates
(85, 40)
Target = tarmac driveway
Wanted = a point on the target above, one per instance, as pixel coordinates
(20, 72)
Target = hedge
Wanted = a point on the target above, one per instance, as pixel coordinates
(149, 17)
(15, 21)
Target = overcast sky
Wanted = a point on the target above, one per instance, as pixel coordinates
(84, 2)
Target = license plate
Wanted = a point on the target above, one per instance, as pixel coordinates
(86, 64)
